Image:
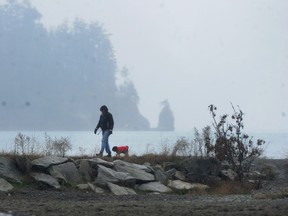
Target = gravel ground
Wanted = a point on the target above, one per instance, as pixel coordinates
(68, 201)
(75, 203)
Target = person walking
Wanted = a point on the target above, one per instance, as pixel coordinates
(106, 124)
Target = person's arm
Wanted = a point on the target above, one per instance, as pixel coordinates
(97, 126)
(111, 123)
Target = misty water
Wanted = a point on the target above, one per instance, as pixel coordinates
(140, 142)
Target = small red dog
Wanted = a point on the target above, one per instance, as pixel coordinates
(121, 150)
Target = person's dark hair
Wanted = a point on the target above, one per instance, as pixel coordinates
(114, 148)
(104, 108)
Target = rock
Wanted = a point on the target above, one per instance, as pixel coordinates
(109, 175)
(96, 189)
(9, 171)
(171, 173)
(228, 174)
(67, 172)
(83, 186)
(5, 214)
(180, 175)
(117, 190)
(5, 186)
(160, 175)
(45, 162)
(139, 172)
(202, 170)
(153, 187)
(180, 185)
(46, 179)
(90, 186)
(85, 171)
(97, 161)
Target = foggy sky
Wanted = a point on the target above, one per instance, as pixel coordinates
(195, 53)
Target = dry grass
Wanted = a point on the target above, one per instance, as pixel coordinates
(232, 187)
(279, 194)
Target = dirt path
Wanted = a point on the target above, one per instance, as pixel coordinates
(75, 203)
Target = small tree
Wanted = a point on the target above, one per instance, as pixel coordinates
(231, 144)
(57, 147)
(26, 145)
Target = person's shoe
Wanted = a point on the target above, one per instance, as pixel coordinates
(109, 155)
(99, 155)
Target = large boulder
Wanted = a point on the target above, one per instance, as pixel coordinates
(46, 180)
(140, 172)
(109, 175)
(87, 172)
(201, 170)
(181, 185)
(160, 175)
(66, 172)
(153, 187)
(44, 162)
(118, 190)
(5, 186)
(9, 171)
(95, 162)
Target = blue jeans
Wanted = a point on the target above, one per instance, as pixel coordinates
(105, 142)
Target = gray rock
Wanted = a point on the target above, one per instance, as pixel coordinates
(96, 189)
(9, 171)
(153, 187)
(138, 166)
(180, 175)
(5, 186)
(139, 172)
(67, 172)
(85, 171)
(171, 173)
(160, 175)
(202, 170)
(96, 161)
(45, 162)
(5, 214)
(46, 179)
(90, 186)
(117, 190)
(83, 186)
(109, 175)
(180, 185)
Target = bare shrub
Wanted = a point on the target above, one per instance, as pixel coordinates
(198, 144)
(182, 147)
(61, 146)
(165, 149)
(231, 143)
(149, 149)
(82, 151)
(56, 146)
(26, 145)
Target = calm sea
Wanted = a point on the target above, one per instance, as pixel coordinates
(140, 142)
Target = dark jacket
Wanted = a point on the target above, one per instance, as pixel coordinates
(106, 122)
